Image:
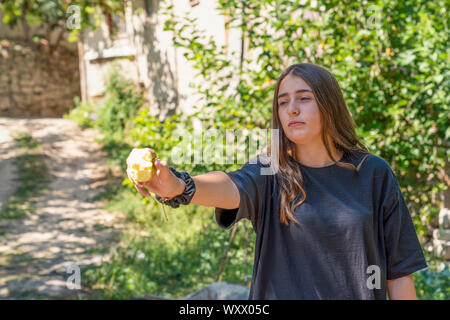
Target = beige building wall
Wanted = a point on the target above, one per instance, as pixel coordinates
(147, 55)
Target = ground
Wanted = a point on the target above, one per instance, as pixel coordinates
(68, 226)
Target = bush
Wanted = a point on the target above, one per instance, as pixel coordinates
(433, 283)
(114, 117)
(122, 102)
(83, 113)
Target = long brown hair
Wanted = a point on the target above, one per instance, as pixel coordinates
(338, 130)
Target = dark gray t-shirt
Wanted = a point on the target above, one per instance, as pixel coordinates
(349, 223)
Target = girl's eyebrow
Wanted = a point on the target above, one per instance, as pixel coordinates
(301, 90)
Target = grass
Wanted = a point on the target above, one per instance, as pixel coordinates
(166, 258)
(31, 175)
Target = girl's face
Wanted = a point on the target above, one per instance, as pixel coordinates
(296, 102)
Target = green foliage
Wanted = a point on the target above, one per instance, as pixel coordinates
(83, 113)
(113, 117)
(35, 12)
(122, 102)
(433, 283)
(53, 14)
(390, 58)
(168, 139)
(149, 131)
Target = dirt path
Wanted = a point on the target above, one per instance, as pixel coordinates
(67, 226)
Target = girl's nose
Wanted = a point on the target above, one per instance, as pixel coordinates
(293, 109)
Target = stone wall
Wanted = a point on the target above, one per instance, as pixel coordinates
(35, 83)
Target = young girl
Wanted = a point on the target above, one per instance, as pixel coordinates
(331, 223)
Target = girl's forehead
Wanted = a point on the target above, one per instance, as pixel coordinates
(292, 83)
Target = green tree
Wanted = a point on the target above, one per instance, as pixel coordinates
(390, 58)
(53, 16)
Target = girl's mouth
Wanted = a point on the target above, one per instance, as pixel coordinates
(295, 124)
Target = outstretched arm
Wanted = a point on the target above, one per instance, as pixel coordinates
(213, 189)
(402, 288)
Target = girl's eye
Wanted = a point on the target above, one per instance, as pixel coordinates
(301, 99)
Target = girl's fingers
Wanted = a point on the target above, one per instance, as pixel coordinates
(140, 187)
(142, 191)
(137, 183)
(134, 181)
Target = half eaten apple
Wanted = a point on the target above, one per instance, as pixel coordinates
(141, 164)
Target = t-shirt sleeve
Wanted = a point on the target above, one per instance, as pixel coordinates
(403, 250)
(252, 186)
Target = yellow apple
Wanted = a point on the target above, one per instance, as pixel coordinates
(141, 164)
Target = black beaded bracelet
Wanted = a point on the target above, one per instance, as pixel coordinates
(186, 196)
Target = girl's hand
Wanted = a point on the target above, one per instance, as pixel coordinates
(164, 183)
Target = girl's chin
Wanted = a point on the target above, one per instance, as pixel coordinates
(300, 139)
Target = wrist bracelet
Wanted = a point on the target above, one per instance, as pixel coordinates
(186, 196)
